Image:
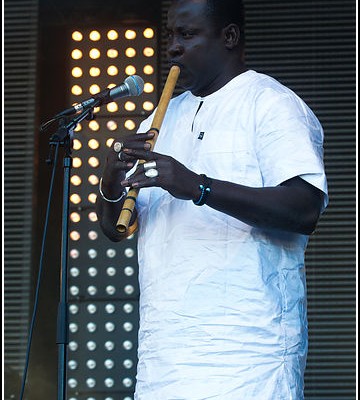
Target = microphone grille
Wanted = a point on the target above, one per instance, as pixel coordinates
(135, 84)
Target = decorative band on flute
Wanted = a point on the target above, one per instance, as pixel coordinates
(129, 204)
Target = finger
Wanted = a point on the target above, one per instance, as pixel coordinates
(142, 154)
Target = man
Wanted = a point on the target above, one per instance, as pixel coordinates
(238, 186)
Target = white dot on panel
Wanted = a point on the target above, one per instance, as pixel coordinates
(93, 235)
(74, 290)
(129, 289)
(93, 179)
(90, 382)
(92, 290)
(72, 383)
(110, 290)
(74, 272)
(93, 216)
(92, 253)
(109, 346)
(73, 346)
(128, 326)
(91, 345)
(90, 398)
(109, 326)
(129, 252)
(111, 253)
(129, 271)
(74, 253)
(111, 271)
(128, 308)
(127, 398)
(109, 382)
(110, 398)
(91, 308)
(91, 364)
(73, 328)
(91, 327)
(110, 308)
(128, 363)
(109, 364)
(72, 364)
(127, 345)
(73, 309)
(92, 271)
(127, 382)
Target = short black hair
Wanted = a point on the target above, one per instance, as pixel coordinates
(225, 12)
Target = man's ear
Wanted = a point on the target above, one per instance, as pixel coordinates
(231, 36)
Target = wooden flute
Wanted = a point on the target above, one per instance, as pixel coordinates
(129, 204)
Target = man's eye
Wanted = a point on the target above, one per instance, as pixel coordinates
(187, 35)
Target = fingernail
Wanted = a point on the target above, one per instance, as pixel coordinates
(124, 183)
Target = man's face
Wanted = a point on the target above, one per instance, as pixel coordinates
(195, 46)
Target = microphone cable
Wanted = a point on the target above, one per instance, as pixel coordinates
(41, 262)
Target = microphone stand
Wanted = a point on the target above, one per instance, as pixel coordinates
(63, 136)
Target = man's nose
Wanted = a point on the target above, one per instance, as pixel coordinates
(175, 48)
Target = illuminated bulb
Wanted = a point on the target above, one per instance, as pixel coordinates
(148, 87)
(94, 125)
(148, 106)
(111, 125)
(109, 326)
(93, 89)
(76, 72)
(129, 106)
(75, 217)
(130, 34)
(112, 53)
(94, 54)
(112, 107)
(112, 70)
(110, 308)
(148, 70)
(93, 179)
(130, 52)
(76, 90)
(93, 216)
(93, 162)
(111, 253)
(109, 346)
(91, 327)
(76, 162)
(77, 36)
(129, 124)
(74, 235)
(90, 382)
(75, 198)
(73, 328)
(148, 33)
(76, 144)
(109, 382)
(92, 198)
(112, 35)
(94, 36)
(78, 128)
(148, 52)
(94, 71)
(75, 180)
(76, 54)
(74, 272)
(128, 326)
(130, 70)
(93, 144)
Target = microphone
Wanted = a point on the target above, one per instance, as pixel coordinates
(132, 86)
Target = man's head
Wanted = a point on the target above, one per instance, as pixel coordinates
(206, 39)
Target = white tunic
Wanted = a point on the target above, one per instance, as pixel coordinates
(223, 305)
